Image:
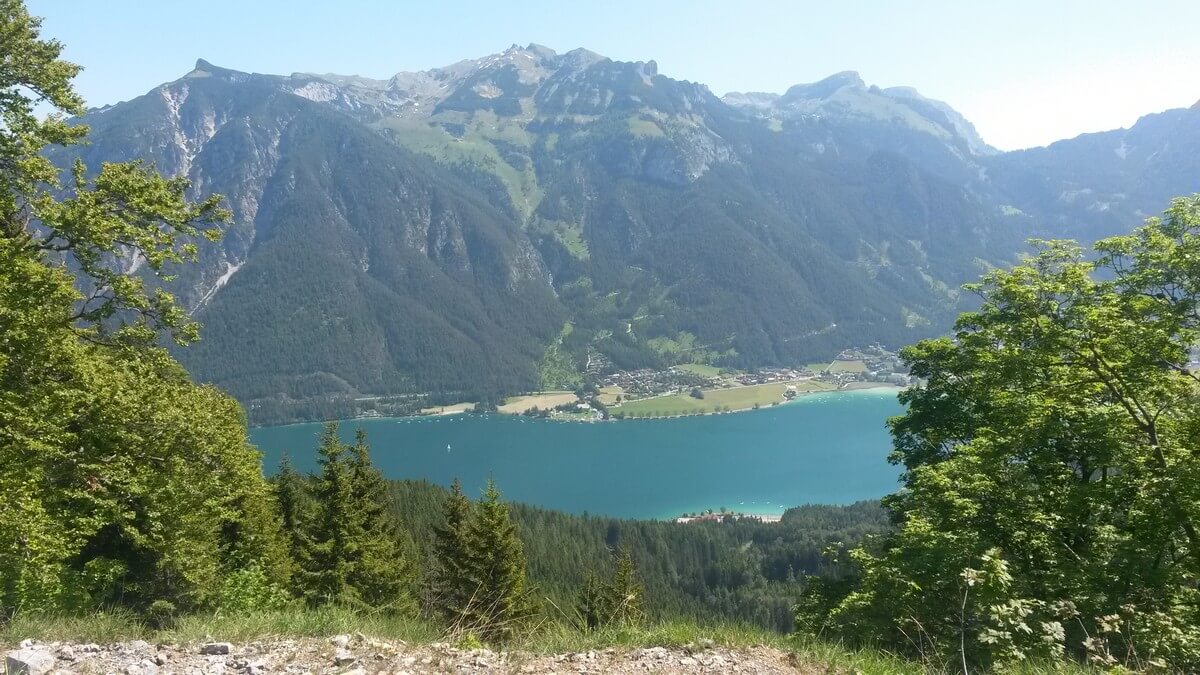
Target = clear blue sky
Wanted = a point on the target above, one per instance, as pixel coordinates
(1026, 72)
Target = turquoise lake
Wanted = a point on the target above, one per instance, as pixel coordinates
(828, 448)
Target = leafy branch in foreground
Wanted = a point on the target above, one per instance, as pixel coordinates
(123, 481)
(1051, 473)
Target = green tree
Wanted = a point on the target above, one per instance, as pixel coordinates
(592, 604)
(295, 506)
(619, 601)
(1052, 484)
(354, 552)
(384, 575)
(625, 595)
(332, 543)
(499, 603)
(123, 481)
(451, 589)
(502, 603)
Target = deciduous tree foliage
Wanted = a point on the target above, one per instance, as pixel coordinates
(122, 479)
(1052, 481)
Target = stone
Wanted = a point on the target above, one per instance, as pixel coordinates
(657, 653)
(143, 667)
(66, 653)
(343, 657)
(90, 648)
(139, 645)
(215, 648)
(27, 643)
(340, 641)
(29, 662)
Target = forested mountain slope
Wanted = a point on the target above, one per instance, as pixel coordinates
(436, 231)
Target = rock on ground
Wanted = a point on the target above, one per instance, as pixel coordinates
(28, 661)
(361, 655)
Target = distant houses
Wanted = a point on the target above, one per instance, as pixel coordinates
(717, 517)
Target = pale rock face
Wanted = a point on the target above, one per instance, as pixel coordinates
(29, 661)
(317, 91)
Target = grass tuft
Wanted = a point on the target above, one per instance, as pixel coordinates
(318, 622)
(100, 627)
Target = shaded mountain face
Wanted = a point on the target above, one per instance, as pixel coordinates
(507, 223)
(1097, 185)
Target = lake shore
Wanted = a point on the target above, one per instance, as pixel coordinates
(848, 387)
(826, 449)
(459, 409)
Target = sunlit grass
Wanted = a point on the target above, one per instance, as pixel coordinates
(99, 627)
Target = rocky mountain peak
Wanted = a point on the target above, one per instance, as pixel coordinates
(205, 69)
(826, 87)
(759, 100)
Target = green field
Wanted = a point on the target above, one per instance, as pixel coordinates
(515, 405)
(715, 400)
(817, 367)
(608, 395)
(700, 369)
(848, 367)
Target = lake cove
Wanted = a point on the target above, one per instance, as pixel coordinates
(827, 448)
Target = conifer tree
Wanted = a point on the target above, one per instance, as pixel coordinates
(450, 588)
(621, 601)
(295, 504)
(383, 574)
(498, 602)
(353, 552)
(624, 597)
(503, 602)
(331, 544)
(591, 606)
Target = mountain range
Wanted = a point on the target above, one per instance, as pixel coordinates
(514, 222)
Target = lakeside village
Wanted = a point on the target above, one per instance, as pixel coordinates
(698, 389)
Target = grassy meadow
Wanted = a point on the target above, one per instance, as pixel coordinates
(716, 400)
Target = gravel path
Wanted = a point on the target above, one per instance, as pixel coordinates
(359, 655)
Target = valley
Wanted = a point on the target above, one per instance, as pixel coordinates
(545, 360)
(536, 221)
